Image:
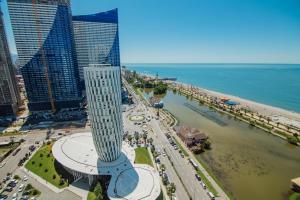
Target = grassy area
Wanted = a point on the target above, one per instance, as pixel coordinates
(207, 183)
(215, 178)
(91, 195)
(5, 149)
(180, 147)
(43, 164)
(295, 196)
(142, 156)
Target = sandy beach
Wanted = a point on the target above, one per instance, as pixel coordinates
(284, 116)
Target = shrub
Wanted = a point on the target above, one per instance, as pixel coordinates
(48, 155)
(292, 140)
(35, 192)
(48, 143)
(40, 164)
(33, 162)
(28, 187)
(46, 170)
(54, 176)
(16, 177)
(41, 155)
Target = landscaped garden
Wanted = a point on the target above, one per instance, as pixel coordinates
(142, 156)
(43, 164)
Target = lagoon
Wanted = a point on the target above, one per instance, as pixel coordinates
(249, 162)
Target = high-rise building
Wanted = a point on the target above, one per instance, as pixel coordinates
(9, 92)
(96, 39)
(44, 39)
(103, 89)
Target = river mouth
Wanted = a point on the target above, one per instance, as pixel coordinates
(249, 163)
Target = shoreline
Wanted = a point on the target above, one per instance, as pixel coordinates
(279, 122)
(262, 108)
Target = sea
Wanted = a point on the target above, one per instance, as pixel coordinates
(276, 85)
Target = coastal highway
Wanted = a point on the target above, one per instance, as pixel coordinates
(184, 170)
(181, 165)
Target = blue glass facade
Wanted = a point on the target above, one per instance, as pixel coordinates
(44, 38)
(9, 91)
(97, 39)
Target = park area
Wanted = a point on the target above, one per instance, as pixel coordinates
(142, 156)
(43, 164)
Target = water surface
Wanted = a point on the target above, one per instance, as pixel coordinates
(250, 163)
(276, 85)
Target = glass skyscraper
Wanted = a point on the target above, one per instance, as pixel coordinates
(97, 39)
(44, 39)
(9, 92)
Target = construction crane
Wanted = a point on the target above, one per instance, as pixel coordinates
(41, 48)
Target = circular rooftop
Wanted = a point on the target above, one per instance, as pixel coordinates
(139, 182)
(129, 181)
(77, 152)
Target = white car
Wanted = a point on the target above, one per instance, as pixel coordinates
(15, 195)
(21, 186)
(25, 178)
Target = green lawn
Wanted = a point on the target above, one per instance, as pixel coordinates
(142, 156)
(5, 149)
(42, 164)
(91, 196)
(295, 196)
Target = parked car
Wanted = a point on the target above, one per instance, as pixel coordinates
(3, 196)
(211, 195)
(8, 189)
(198, 177)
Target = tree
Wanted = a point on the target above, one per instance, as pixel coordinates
(150, 141)
(136, 136)
(162, 167)
(207, 144)
(28, 187)
(98, 192)
(292, 140)
(172, 187)
(129, 138)
(145, 136)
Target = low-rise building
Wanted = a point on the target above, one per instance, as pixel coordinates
(190, 136)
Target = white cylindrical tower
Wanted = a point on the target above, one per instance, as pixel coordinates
(103, 90)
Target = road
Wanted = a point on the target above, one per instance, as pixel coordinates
(182, 166)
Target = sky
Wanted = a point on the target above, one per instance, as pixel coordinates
(200, 31)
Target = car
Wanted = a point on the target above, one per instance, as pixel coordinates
(25, 193)
(21, 186)
(164, 154)
(24, 197)
(211, 195)
(3, 196)
(12, 184)
(198, 177)
(8, 189)
(15, 181)
(203, 185)
(15, 195)
(20, 190)
(25, 178)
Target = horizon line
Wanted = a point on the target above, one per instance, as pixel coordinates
(224, 63)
